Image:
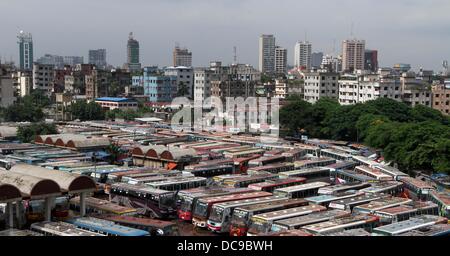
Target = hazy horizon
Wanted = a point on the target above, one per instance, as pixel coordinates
(403, 31)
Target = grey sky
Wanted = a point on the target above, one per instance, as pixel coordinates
(409, 31)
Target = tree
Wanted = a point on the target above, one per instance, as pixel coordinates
(28, 133)
(23, 112)
(183, 90)
(86, 111)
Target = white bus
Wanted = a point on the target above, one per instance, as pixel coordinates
(301, 191)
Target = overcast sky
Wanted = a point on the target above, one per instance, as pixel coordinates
(407, 31)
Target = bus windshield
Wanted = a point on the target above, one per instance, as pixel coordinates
(216, 214)
(259, 227)
(239, 217)
(186, 204)
(167, 200)
(201, 209)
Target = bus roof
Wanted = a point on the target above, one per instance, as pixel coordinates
(328, 198)
(305, 171)
(382, 203)
(138, 188)
(380, 186)
(355, 200)
(175, 181)
(104, 205)
(105, 225)
(277, 182)
(249, 201)
(441, 196)
(350, 232)
(291, 212)
(233, 197)
(311, 185)
(415, 182)
(345, 186)
(313, 217)
(434, 230)
(270, 205)
(137, 221)
(407, 225)
(341, 222)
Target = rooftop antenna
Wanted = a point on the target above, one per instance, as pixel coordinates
(235, 55)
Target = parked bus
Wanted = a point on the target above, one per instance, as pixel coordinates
(325, 200)
(211, 171)
(393, 172)
(344, 165)
(434, 230)
(380, 204)
(350, 232)
(211, 163)
(18, 232)
(335, 154)
(298, 222)
(148, 201)
(203, 206)
(266, 160)
(342, 176)
(416, 189)
(99, 206)
(126, 175)
(312, 163)
(262, 223)
(393, 188)
(349, 203)
(48, 228)
(244, 181)
(188, 199)
(374, 173)
(405, 212)
(178, 184)
(292, 232)
(362, 160)
(105, 227)
(443, 201)
(271, 185)
(154, 227)
(367, 222)
(220, 217)
(310, 174)
(272, 168)
(408, 225)
(220, 179)
(242, 215)
(300, 191)
(339, 188)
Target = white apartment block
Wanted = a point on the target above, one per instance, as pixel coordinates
(415, 91)
(185, 77)
(43, 76)
(24, 82)
(320, 84)
(202, 83)
(280, 60)
(266, 53)
(303, 54)
(353, 55)
(281, 89)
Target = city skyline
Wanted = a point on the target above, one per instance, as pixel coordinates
(399, 39)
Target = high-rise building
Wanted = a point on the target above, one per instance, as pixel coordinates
(98, 58)
(185, 79)
(133, 63)
(303, 55)
(371, 60)
(316, 59)
(353, 53)
(50, 59)
(25, 51)
(280, 60)
(73, 60)
(43, 76)
(182, 57)
(267, 53)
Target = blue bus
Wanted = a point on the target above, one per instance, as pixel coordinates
(105, 227)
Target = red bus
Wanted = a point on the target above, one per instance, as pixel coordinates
(188, 198)
(271, 185)
(241, 164)
(203, 206)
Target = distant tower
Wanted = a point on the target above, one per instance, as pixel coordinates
(267, 53)
(133, 62)
(234, 55)
(303, 54)
(353, 54)
(181, 57)
(25, 51)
